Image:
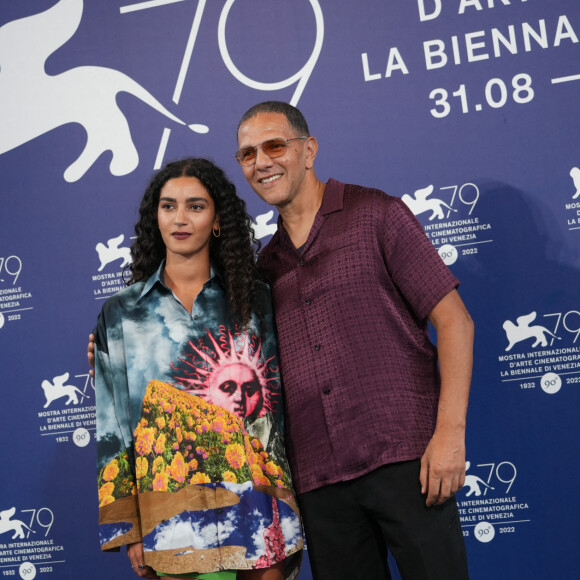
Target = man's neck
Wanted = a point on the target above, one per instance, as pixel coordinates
(298, 217)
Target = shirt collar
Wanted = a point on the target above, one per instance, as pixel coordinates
(157, 278)
(332, 201)
(333, 197)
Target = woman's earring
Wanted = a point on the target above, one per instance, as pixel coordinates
(217, 232)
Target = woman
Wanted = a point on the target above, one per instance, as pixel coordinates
(192, 473)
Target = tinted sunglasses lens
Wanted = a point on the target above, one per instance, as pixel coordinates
(274, 147)
(246, 156)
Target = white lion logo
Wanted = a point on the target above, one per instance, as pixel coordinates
(59, 389)
(523, 331)
(419, 203)
(262, 228)
(33, 102)
(16, 526)
(473, 483)
(112, 251)
(575, 175)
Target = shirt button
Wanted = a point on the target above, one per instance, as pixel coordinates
(316, 347)
(301, 262)
(326, 391)
(196, 316)
(307, 302)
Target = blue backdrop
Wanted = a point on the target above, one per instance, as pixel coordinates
(466, 108)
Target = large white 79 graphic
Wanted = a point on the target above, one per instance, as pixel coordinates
(300, 78)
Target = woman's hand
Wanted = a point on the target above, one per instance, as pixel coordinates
(137, 559)
(91, 354)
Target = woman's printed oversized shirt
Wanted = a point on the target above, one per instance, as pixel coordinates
(190, 432)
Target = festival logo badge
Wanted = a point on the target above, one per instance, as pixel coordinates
(114, 256)
(68, 413)
(33, 102)
(572, 208)
(451, 224)
(15, 299)
(262, 226)
(488, 506)
(541, 351)
(26, 545)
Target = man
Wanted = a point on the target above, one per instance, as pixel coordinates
(376, 432)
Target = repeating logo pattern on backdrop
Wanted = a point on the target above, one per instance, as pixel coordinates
(68, 413)
(454, 228)
(488, 505)
(26, 541)
(543, 350)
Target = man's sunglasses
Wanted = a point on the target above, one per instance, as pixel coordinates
(272, 148)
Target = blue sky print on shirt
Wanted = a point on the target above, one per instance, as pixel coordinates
(109, 532)
(205, 529)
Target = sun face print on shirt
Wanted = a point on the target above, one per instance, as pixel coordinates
(230, 372)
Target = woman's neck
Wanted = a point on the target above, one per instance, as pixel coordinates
(186, 277)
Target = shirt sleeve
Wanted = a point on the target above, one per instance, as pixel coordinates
(413, 263)
(271, 354)
(119, 522)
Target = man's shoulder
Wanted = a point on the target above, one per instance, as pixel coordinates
(362, 193)
(364, 200)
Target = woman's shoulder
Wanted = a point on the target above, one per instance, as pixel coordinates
(125, 298)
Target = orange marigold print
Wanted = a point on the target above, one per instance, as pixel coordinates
(160, 481)
(107, 500)
(106, 490)
(158, 465)
(160, 444)
(260, 479)
(111, 471)
(178, 468)
(230, 476)
(144, 441)
(199, 478)
(235, 455)
(141, 467)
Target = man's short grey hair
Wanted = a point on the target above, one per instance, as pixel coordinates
(293, 115)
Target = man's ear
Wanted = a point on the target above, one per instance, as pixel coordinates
(311, 149)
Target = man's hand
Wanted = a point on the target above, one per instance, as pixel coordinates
(91, 354)
(137, 559)
(443, 463)
(443, 466)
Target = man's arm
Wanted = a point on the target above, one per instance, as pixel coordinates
(443, 463)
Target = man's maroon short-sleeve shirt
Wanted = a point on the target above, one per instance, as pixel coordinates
(360, 373)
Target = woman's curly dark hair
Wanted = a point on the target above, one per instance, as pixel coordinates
(233, 252)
